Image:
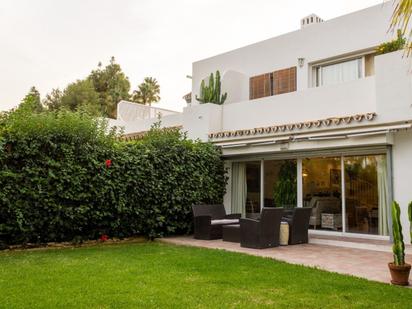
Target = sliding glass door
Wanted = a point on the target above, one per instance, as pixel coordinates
(366, 194)
(246, 188)
(252, 207)
(322, 191)
(347, 194)
(280, 183)
(361, 206)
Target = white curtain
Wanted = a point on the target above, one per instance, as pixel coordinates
(340, 72)
(383, 208)
(239, 188)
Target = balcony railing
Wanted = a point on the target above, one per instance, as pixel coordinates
(129, 111)
(355, 97)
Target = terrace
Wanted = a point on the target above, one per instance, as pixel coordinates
(349, 256)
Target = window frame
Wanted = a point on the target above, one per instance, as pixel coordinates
(318, 69)
(314, 80)
(340, 153)
(270, 77)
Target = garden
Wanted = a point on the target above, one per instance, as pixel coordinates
(69, 181)
(155, 275)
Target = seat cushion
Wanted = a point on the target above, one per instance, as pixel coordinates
(225, 221)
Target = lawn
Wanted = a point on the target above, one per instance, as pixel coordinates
(156, 275)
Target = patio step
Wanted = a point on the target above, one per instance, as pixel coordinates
(356, 244)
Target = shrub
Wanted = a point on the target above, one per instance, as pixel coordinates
(56, 185)
(391, 46)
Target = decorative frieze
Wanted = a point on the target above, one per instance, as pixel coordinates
(336, 121)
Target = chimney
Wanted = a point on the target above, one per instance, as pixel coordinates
(310, 20)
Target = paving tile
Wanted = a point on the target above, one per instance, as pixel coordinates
(364, 263)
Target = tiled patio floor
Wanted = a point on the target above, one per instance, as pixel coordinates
(365, 263)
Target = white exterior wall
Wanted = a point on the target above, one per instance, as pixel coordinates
(402, 176)
(200, 119)
(393, 77)
(350, 98)
(343, 35)
(145, 124)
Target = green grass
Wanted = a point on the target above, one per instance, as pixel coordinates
(155, 275)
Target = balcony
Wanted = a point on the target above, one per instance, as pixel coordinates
(356, 97)
(134, 117)
(388, 94)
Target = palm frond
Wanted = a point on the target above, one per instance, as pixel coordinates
(400, 20)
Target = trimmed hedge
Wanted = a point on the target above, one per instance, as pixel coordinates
(57, 185)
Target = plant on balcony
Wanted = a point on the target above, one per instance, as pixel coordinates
(399, 269)
(284, 191)
(391, 46)
(211, 93)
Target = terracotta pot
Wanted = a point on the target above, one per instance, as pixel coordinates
(400, 274)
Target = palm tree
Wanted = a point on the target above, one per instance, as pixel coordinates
(400, 20)
(147, 92)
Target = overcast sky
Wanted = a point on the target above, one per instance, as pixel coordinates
(50, 43)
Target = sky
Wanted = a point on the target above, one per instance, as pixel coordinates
(50, 43)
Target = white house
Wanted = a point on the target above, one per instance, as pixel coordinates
(313, 118)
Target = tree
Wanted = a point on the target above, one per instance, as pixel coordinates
(31, 102)
(147, 92)
(53, 99)
(400, 20)
(76, 96)
(80, 95)
(112, 86)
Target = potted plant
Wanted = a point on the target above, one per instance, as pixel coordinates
(284, 190)
(398, 268)
(211, 93)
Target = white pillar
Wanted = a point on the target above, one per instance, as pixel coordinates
(262, 183)
(342, 176)
(299, 179)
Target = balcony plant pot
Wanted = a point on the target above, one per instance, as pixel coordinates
(399, 273)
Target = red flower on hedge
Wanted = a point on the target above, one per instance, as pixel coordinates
(108, 163)
(104, 237)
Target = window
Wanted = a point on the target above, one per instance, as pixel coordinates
(260, 86)
(280, 183)
(339, 72)
(365, 194)
(246, 188)
(278, 82)
(365, 188)
(284, 80)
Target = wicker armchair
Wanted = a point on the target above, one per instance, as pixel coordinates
(209, 219)
(298, 225)
(262, 233)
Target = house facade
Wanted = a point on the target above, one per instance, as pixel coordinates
(313, 118)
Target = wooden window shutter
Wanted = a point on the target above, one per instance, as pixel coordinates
(284, 80)
(260, 86)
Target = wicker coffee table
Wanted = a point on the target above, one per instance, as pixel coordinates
(231, 232)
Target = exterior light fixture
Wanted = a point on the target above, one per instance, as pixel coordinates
(301, 62)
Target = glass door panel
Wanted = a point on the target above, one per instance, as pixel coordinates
(253, 189)
(363, 203)
(280, 183)
(321, 180)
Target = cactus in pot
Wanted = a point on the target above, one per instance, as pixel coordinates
(398, 246)
(211, 93)
(399, 269)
